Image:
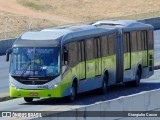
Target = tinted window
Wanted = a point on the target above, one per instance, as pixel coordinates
(126, 42)
(111, 44)
(82, 51)
(65, 48)
(89, 49)
(150, 40)
(73, 57)
(133, 41)
(104, 44)
(144, 40)
(79, 52)
(139, 41)
(97, 48)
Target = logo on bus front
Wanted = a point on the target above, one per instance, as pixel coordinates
(33, 82)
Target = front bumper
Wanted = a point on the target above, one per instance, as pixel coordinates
(45, 93)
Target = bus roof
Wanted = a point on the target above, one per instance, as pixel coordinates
(51, 36)
(122, 24)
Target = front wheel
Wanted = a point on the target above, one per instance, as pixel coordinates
(72, 95)
(28, 99)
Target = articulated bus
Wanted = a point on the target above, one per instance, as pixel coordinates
(67, 60)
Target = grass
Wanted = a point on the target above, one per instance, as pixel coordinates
(81, 10)
(17, 28)
(17, 25)
(89, 10)
(33, 5)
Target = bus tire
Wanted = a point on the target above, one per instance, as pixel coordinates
(73, 92)
(28, 99)
(103, 89)
(136, 82)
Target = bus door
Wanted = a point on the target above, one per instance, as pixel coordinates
(98, 60)
(145, 49)
(82, 66)
(127, 51)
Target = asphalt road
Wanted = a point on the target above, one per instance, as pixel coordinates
(4, 66)
(4, 79)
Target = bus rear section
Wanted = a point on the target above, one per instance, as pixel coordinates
(138, 48)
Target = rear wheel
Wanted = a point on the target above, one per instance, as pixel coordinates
(136, 82)
(103, 89)
(28, 99)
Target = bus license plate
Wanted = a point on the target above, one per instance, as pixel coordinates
(33, 94)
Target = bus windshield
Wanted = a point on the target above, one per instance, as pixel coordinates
(35, 62)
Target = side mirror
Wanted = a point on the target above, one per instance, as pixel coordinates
(65, 56)
(8, 52)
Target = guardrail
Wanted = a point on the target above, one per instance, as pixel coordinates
(6, 44)
(144, 101)
(153, 21)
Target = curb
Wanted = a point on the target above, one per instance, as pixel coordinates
(157, 67)
(6, 98)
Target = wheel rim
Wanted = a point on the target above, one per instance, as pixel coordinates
(72, 93)
(28, 99)
(104, 87)
(138, 77)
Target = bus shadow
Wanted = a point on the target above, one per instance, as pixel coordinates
(92, 97)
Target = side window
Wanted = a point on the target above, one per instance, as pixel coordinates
(139, 41)
(133, 42)
(97, 47)
(81, 51)
(89, 49)
(65, 48)
(126, 41)
(73, 57)
(65, 63)
(150, 40)
(104, 48)
(111, 44)
(144, 40)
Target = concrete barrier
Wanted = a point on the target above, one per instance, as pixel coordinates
(5, 44)
(144, 101)
(153, 21)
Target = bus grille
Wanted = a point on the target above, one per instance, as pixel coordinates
(34, 80)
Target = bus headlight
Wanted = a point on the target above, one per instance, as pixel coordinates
(53, 86)
(15, 87)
